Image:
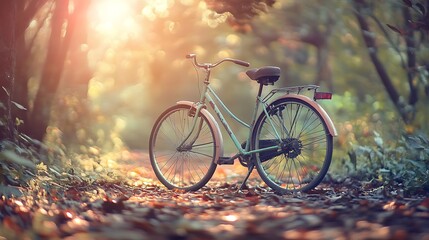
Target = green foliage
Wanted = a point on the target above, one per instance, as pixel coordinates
(242, 13)
(17, 164)
(405, 164)
(35, 166)
(21, 161)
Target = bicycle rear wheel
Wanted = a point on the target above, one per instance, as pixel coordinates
(188, 167)
(306, 146)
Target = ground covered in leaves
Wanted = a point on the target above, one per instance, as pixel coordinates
(140, 208)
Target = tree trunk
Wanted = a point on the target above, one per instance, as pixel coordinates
(51, 74)
(7, 67)
(26, 10)
(324, 72)
(21, 78)
(378, 65)
(76, 80)
(79, 74)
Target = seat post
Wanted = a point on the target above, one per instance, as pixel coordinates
(260, 89)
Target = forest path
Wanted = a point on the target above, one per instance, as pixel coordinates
(146, 210)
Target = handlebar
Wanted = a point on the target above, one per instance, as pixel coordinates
(212, 65)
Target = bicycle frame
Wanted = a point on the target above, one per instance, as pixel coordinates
(207, 96)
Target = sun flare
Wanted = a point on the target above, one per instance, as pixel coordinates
(110, 17)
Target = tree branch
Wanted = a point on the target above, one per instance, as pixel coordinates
(389, 39)
(411, 56)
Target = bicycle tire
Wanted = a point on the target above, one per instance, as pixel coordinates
(306, 151)
(190, 169)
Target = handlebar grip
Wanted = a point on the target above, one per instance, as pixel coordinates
(191, 55)
(242, 63)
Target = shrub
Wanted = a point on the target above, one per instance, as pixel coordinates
(405, 165)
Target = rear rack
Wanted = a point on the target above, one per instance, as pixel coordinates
(295, 89)
(288, 90)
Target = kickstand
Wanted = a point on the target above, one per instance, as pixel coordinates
(250, 169)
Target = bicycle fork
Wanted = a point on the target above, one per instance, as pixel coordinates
(194, 111)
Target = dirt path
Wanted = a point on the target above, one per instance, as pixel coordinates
(146, 210)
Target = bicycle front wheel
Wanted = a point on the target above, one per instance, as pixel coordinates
(186, 166)
(305, 146)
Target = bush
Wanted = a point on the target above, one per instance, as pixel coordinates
(405, 165)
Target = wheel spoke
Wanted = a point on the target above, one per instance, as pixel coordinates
(203, 154)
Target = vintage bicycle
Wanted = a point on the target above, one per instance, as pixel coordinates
(290, 140)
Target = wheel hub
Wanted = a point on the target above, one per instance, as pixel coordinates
(184, 148)
(292, 147)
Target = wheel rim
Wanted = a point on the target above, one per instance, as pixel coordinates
(182, 167)
(305, 145)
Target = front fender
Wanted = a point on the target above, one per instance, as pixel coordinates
(317, 107)
(213, 124)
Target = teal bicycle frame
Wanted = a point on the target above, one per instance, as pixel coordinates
(208, 92)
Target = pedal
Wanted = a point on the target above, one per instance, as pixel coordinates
(226, 161)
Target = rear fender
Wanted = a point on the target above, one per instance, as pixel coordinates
(213, 125)
(317, 107)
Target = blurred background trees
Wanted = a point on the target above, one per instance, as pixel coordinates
(85, 75)
(411, 39)
(401, 27)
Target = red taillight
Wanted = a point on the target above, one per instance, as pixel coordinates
(322, 95)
